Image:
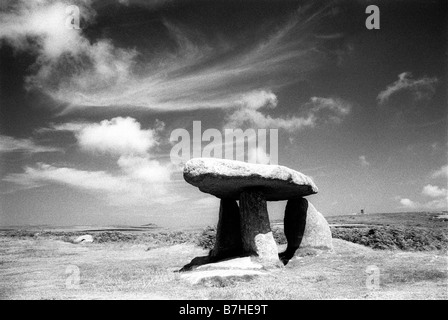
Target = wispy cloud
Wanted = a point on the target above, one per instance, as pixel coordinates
(122, 189)
(66, 58)
(39, 26)
(318, 110)
(10, 144)
(95, 73)
(420, 89)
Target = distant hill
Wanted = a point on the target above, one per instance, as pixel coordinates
(404, 219)
(432, 220)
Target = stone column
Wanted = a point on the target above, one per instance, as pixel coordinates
(228, 235)
(294, 226)
(255, 226)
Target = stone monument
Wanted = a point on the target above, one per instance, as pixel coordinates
(244, 229)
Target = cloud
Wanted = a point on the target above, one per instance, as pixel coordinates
(10, 144)
(434, 191)
(91, 180)
(25, 22)
(439, 203)
(336, 107)
(120, 189)
(66, 58)
(95, 73)
(442, 172)
(317, 110)
(407, 203)
(256, 118)
(363, 161)
(420, 89)
(258, 155)
(258, 99)
(120, 136)
(144, 169)
(140, 179)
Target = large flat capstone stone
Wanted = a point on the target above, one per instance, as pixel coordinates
(228, 178)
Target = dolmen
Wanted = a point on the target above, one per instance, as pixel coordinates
(244, 229)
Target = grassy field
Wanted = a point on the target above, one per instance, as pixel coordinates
(142, 264)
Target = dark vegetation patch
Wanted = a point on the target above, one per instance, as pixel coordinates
(377, 237)
(403, 238)
(157, 237)
(279, 235)
(207, 238)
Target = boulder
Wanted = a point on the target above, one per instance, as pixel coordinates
(87, 238)
(317, 232)
(306, 230)
(226, 179)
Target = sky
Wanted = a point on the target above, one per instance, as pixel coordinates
(87, 113)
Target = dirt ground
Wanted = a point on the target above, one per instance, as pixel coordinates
(50, 269)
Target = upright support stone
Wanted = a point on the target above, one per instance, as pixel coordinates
(228, 236)
(255, 227)
(317, 234)
(294, 226)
